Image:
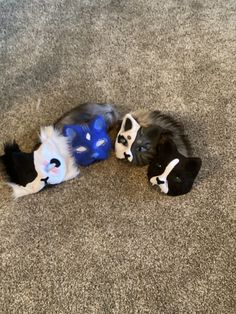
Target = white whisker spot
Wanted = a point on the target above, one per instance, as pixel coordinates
(100, 142)
(81, 149)
(88, 136)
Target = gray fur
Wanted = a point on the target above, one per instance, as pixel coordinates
(141, 132)
(174, 129)
(84, 113)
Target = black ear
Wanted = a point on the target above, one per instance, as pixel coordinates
(128, 124)
(10, 148)
(19, 165)
(166, 145)
(193, 165)
(152, 134)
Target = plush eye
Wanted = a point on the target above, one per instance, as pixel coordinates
(100, 142)
(178, 179)
(81, 149)
(56, 162)
(141, 149)
(159, 165)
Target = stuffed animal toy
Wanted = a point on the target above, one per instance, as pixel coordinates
(52, 163)
(171, 171)
(89, 142)
(140, 132)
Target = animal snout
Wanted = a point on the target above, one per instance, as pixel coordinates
(127, 156)
(159, 181)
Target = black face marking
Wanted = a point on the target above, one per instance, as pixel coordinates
(122, 140)
(45, 180)
(56, 162)
(128, 124)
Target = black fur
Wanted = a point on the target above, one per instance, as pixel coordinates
(174, 128)
(181, 178)
(144, 147)
(19, 165)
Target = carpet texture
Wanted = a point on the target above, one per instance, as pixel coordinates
(107, 242)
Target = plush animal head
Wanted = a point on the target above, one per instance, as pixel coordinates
(171, 171)
(135, 143)
(89, 142)
(51, 163)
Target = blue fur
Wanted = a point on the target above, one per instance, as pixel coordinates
(92, 140)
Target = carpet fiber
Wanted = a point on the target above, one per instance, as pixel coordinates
(107, 242)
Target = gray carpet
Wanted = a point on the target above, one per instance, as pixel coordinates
(107, 242)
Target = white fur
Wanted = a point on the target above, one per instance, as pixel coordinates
(30, 188)
(120, 149)
(53, 145)
(163, 177)
(57, 146)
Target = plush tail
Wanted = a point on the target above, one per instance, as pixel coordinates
(84, 113)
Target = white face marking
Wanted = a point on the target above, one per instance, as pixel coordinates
(129, 135)
(163, 177)
(100, 142)
(88, 136)
(153, 180)
(81, 149)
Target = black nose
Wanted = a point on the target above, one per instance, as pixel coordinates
(126, 155)
(159, 181)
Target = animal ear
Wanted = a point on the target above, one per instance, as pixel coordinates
(47, 132)
(152, 132)
(69, 132)
(193, 165)
(166, 145)
(128, 124)
(18, 165)
(164, 137)
(98, 123)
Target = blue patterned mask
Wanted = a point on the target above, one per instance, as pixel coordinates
(90, 142)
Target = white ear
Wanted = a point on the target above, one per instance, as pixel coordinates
(126, 117)
(129, 123)
(48, 132)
